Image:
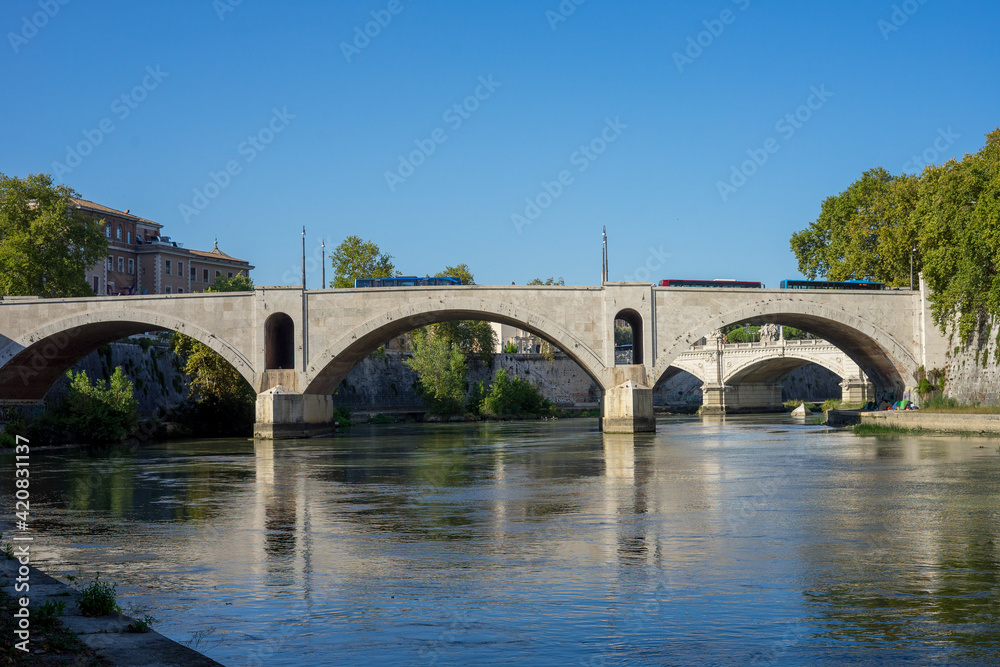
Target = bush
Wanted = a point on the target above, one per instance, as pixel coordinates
(98, 599)
(92, 413)
(512, 398)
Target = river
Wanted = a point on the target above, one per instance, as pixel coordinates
(746, 541)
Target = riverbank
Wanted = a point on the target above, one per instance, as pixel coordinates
(61, 634)
(917, 420)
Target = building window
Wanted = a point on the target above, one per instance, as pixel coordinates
(131, 266)
(166, 267)
(180, 290)
(230, 274)
(121, 264)
(168, 289)
(128, 235)
(180, 268)
(204, 276)
(107, 231)
(119, 232)
(111, 263)
(194, 274)
(218, 273)
(97, 285)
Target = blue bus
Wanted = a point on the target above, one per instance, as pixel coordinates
(672, 282)
(831, 284)
(407, 281)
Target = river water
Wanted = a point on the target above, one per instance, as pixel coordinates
(745, 541)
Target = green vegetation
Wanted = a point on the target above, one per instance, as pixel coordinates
(99, 598)
(92, 413)
(510, 398)
(945, 405)
(221, 401)
(355, 258)
(142, 625)
(46, 245)
(510, 348)
(884, 429)
(342, 416)
(947, 219)
(441, 371)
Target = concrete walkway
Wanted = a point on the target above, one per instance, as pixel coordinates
(107, 635)
(914, 419)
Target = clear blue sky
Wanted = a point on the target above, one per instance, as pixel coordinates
(894, 78)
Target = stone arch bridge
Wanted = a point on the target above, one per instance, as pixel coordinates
(295, 346)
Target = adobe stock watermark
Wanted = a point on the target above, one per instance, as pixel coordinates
(581, 158)
(453, 117)
(565, 9)
(363, 35)
(30, 25)
(223, 7)
(654, 262)
(901, 13)
(248, 150)
(944, 140)
(714, 28)
(786, 127)
(121, 107)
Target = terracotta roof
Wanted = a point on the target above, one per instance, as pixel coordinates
(94, 206)
(215, 253)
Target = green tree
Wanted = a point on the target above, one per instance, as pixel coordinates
(958, 215)
(547, 281)
(46, 244)
(442, 372)
(354, 259)
(513, 398)
(864, 233)
(221, 401)
(92, 412)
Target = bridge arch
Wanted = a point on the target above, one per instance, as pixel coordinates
(327, 369)
(32, 363)
(780, 362)
(888, 364)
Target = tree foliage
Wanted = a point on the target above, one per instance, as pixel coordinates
(46, 245)
(442, 372)
(92, 412)
(547, 281)
(950, 215)
(475, 338)
(865, 233)
(354, 259)
(513, 398)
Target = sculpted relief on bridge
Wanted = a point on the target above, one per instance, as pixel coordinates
(307, 342)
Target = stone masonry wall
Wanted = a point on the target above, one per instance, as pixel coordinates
(970, 380)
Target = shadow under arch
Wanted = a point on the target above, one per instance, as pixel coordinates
(888, 364)
(33, 363)
(775, 369)
(335, 362)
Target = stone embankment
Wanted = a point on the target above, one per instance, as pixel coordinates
(109, 636)
(915, 419)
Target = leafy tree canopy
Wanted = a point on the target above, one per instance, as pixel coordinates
(46, 245)
(547, 281)
(238, 283)
(354, 259)
(460, 271)
(475, 338)
(948, 217)
(442, 372)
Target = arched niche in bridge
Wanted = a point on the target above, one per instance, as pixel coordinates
(633, 321)
(279, 342)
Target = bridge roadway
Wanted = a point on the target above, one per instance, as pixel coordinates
(295, 347)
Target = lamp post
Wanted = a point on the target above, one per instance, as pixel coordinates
(303, 257)
(323, 262)
(604, 256)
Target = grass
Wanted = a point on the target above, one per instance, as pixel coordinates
(884, 429)
(98, 599)
(144, 624)
(945, 405)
